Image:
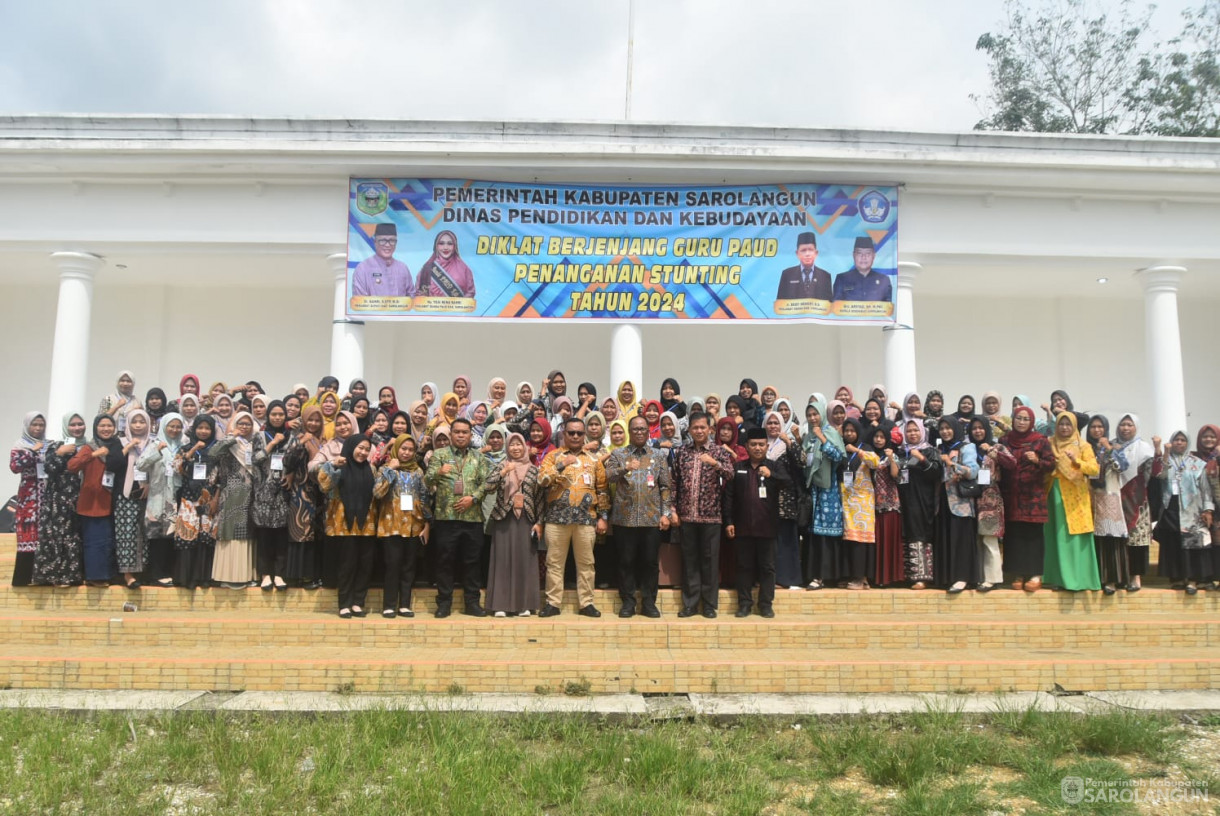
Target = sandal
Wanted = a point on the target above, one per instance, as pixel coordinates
(1033, 585)
(1018, 585)
(814, 584)
(919, 585)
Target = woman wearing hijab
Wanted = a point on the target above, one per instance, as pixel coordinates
(873, 416)
(387, 400)
(269, 506)
(540, 443)
(1023, 485)
(955, 549)
(1071, 557)
(59, 558)
(933, 410)
(155, 403)
(351, 523)
(919, 480)
(992, 407)
(774, 425)
(438, 441)
(727, 435)
(445, 274)
(888, 510)
(222, 411)
(258, 409)
(741, 411)
(195, 524)
(158, 463)
(462, 387)
(236, 458)
(859, 505)
(450, 408)
(1060, 402)
(303, 562)
(356, 389)
(478, 413)
(130, 542)
(1109, 523)
(1184, 529)
(671, 398)
(403, 523)
(586, 399)
(989, 507)
(121, 402)
(512, 585)
(912, 409)
(1207, 449)
(626, 401)
(1133, 489)
(418, 415)
(102, 466)
(595, 434)
(189, 409)
(524, 393)
(28, 460)
(824, 450)
(360, 408)
(553, 387)
(428, 392)
(845, 396)
(328, 403)
(670, 433)
(189, 384)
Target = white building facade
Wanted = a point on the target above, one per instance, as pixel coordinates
(216, 246)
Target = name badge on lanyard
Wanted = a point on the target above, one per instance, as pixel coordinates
(40, 470)
(108, 479)
(587, 478)
(139, 476)
(200, 471)
(984, 476)
(904, 476)
(277, 461)
(1176, 487)
(406, 503)
(249, 458)
(849, 479)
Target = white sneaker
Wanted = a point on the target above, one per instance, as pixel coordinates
(524, 614)
(501, 615)
(796, 588)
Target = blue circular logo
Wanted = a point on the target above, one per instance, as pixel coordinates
(874, 207)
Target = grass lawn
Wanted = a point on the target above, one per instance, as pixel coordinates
(386, 762)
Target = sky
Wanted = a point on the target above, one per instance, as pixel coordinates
(892, 64)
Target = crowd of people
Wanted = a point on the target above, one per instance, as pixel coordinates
(229, 487)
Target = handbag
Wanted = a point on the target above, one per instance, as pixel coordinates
(969, 488)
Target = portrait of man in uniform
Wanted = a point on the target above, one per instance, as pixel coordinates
(861, 282)
(381, 274)
(806, 279)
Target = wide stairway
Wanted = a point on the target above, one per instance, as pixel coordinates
(828, 641)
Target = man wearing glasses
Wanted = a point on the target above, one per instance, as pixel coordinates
(577, 508)
(380, 274)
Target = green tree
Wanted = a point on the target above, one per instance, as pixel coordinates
(1069, 67)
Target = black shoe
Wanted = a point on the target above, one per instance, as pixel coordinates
(388, 613)
(441, 612)
(548, 611)
(590, 611)
(360, 613)
(687, 612)
(652, 612)
(1109, 590)
(315, 584)
(475, 611)
(627, 612)
(1133, 588)
(1192, 590)
(281, 587)
(766, 613)
(133, 585)
(743, 611)
(708, 612)
(345, 613)
(267, 587)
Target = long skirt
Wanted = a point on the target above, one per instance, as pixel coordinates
(1179, 563)
(860, 560)
(788, 555)
(1071, 560)
(234, 562)
(1112, 560)
(826, 559)
(890, 556)
(1024, 548)
(1137, 559)
(302, 563)
(97, 533)
(955, 552)
(512, 581)
(130, 545)
(193, 565)
(23, 569)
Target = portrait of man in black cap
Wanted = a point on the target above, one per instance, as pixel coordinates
(861, 282)
(381, 273)
(806, 279)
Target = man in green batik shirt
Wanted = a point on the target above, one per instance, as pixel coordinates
(458, 477)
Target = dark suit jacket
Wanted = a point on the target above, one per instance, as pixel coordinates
(792, 287)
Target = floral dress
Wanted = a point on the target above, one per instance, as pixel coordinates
(59, 559)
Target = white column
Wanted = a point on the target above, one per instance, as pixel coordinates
(627, 358)
(900, 338)
(1163, 344)
(70, 352)
(346, 335)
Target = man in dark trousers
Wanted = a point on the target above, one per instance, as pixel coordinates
(751, 519)
(806, 279)
(698, 471)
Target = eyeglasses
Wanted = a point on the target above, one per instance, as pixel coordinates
(575, 433)
(387, 241)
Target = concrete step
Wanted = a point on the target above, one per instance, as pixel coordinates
(227, 629)
(426, 669)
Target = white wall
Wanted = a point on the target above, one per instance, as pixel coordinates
(1093, 348)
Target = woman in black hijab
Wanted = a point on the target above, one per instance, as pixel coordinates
(671, 397)
(351, 522)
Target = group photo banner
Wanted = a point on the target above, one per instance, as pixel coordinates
(460, 249)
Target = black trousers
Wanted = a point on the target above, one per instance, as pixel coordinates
(161, 556)
(755, 562)
(700, 564)
(355, 567)
(272, 551)
(401, 555)
(638, 548)
(451, 541)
